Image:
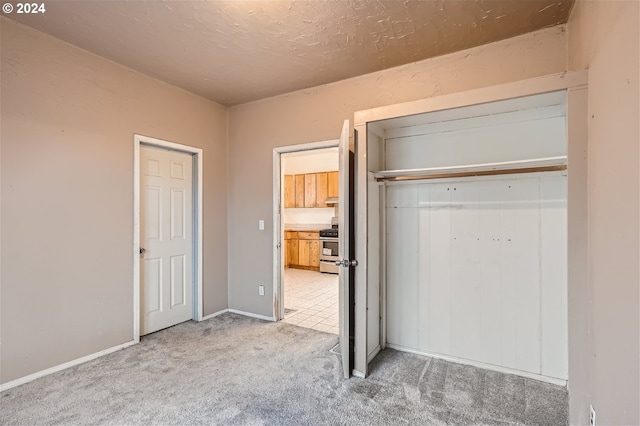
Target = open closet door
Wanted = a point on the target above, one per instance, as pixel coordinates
(346, 249)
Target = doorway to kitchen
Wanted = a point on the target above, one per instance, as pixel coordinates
(306, 290)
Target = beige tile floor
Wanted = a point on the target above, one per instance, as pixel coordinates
(311, 300)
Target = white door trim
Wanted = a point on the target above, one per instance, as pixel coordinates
(196, 154)
(278, 232)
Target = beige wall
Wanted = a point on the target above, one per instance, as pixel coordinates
(68, 119)
(317, 114)
(604, 36)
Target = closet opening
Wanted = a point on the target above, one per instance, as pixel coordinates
(467, 235)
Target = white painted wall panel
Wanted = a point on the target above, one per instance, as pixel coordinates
(375, 240)
(465, 268)
(490, 234)
(424, 268)
(476, 269)
(373, 273)
(402, 195)
(506, 142)
(402, 272)
(508, 289)
(526, 245)
(438, 265)
(553, 232)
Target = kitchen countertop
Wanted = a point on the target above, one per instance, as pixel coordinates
(309, 227)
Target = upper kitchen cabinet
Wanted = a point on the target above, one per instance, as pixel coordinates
(310, 190)
(299, 191)
(332, 184)
(289, 191)
(321, 189)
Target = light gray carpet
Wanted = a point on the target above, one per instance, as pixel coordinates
(234, 370)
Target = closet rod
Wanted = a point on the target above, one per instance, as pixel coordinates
(472, 173)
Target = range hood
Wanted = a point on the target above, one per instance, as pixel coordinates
(331, 201)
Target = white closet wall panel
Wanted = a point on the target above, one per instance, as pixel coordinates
(435, 264)
(491, 259)
(507, 305)
(476, 269)
(525, 243)
(374, 236)
(553, 267)
(373, 278)
(465, 268)
(402, 264)
(495, 143)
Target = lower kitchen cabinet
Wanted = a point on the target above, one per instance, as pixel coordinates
(291, 253)
(314, 254)
(302, 250)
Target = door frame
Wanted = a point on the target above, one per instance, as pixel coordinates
(196, 155)
(278, 228)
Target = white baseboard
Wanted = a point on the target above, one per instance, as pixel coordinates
(215, 314)
(249, 314)
(82, 360)
(60, 367)
(553, 380)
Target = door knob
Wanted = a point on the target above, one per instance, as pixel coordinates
(143, 250)
(346, 263)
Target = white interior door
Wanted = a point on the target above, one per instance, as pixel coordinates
(345, 249)
(166, 238)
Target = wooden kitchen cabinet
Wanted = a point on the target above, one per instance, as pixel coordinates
(332, 184)
(310, 190)
(314, 254)
(303, 253)
(321, 189)
(302, 250)
(291, 252)
(308, 235)
(299, 184)
(289, 191)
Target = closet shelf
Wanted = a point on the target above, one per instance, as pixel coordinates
(506, 167)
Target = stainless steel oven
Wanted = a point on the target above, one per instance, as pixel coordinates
(329, 251)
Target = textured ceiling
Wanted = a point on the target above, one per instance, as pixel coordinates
(238, 51)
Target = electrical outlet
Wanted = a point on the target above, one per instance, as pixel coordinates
(261, 225)
(261, 290)
(592, 416)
